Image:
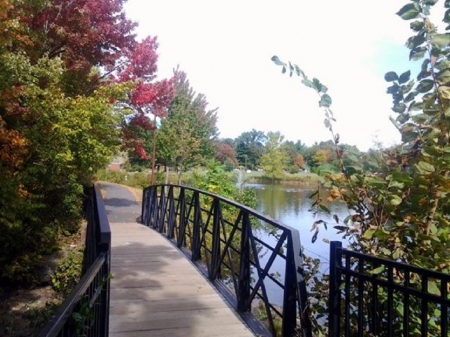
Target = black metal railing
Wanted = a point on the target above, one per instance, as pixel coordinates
(250, 258)
(370, 296)
(86, 311)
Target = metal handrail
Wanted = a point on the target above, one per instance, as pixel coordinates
(371, 295)
(86, 309)
(220, 236)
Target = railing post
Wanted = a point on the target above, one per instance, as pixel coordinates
(215, 249)
(152, 205)
(172, 219)
(196, 243)
(295, 290)
(162, 210)
(183, 218)
(243, 303)
(334, 301)
(290, 292)
(144, 206)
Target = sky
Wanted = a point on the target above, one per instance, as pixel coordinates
(225, 47)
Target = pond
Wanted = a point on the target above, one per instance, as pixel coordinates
(290, 204)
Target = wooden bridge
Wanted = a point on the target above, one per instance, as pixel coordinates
(155, 290)
(158, 288)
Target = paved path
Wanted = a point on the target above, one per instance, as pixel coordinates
(155, 290)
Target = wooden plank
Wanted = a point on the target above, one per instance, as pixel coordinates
(157, 291)
(235, 330)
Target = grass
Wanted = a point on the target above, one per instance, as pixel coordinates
(141, 180)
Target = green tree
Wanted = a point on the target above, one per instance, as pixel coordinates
(293, 150)
(249, 148)
(275, 158)
(187, 135)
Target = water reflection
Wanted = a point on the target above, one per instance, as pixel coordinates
(290, 205)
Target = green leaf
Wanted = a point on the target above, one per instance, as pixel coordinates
(397, 254)
(433, 288)
(410, 97)
(416, 26)
(424, 167)
(404, 77)
(400, 108)
(307, 82)
(325, 101)
(277, 61)
(400, 176)
(368, 234)
(409, 11)
(424, 66)
(390, 76)
(407, 87)
(416, 106)
(444, 76)
(425, 86)
(440, 40)
(377, 271)
(417, 53)
(444, 91)
(317, 85)
(416, 41)
(395, 200)
(325, 209)
(419, 118)
(299, 71)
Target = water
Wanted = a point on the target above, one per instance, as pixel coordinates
(290, 205)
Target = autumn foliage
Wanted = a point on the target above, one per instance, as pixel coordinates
(70, 73)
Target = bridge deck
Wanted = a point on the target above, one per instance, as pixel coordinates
(155, 290)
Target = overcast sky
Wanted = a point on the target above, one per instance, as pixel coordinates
(225, 47)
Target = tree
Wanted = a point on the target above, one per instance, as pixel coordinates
(148, 98)
(299, 162)
(293, 150)
(225, 154)
(186, 136)
(401, 211)
(68, 69)
(275, 158)
(83, 33)
(249, 148)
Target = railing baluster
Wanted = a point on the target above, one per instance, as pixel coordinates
(334, 301)
(444, 309)
(196, 244)
(172, 217)
(215, 249)
(290, 292)
(360, 299)
(406, 305)
(424, 314)
(243, 293)
(183, 220)
(347, 296)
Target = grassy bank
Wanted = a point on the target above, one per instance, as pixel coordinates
(142, 179)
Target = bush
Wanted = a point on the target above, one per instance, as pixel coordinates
(68, 272)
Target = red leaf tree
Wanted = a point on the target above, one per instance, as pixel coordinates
(148, 99)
